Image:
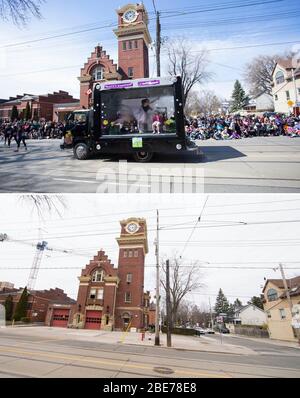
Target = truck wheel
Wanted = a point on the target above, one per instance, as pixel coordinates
(81, 151)
(143, 157)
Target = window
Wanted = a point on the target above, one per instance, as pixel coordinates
(299, 91)
(98, 276)
(130, 72)
(276, 97)
(100, 293)
(282, 313)
(98, 73)
(129, 278)
(128, 297)
(287, 95)
(272, 295)
(93, 293)
(127, 111)
(279, 77)
(130, 254)
(136, 253)
(136, 44)
(130, 45)
(125, 254)
(124, 46)
(269, 314)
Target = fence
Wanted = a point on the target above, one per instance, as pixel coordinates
(251, 331)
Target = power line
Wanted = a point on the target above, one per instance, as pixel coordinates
(197, 222)
(110, 25)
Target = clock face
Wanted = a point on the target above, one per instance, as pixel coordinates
(132, 228)
(130, 16)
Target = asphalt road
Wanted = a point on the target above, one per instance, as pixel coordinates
(29, 356)
(258, 165)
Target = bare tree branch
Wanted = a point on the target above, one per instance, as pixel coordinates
(45, 204)
(190, 66)
(183, 280)
(19, 11)
(258, 74)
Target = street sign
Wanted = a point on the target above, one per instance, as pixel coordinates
(219, 319)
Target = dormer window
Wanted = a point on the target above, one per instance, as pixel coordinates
(98, 276)
(279, 77)
(272, 295)
(98, 73)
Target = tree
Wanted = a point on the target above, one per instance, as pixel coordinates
(19, 11)
(259, 74)
(190, 66)
(182, 282)
(237, 304)
(222, 304)
(257, 301)
(239, 97)
(14, 113)
(21, 308)
(27, 112)
(209, 103)
(8, 305)
(45, 204)
(193, 106)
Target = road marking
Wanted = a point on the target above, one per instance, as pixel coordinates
(69, 180)
(114, 364)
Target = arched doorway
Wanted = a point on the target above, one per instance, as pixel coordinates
(126, 320)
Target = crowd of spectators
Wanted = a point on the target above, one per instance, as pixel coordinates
(238, 127)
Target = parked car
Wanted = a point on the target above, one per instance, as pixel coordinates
(199, 331)
(223, 330)
(210, 331)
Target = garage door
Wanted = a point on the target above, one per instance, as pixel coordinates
(60, 318)
(93, 320)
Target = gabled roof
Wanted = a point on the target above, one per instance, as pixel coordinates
(241, 309)
(292, 283)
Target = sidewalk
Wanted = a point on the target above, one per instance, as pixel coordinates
(188, 343)
(282, 343)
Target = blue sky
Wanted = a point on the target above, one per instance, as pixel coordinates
(218, 30)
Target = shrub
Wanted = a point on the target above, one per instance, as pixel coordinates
(25, 320)
(182, 331)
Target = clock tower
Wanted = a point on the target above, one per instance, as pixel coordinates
(133, 41)
(133, 247)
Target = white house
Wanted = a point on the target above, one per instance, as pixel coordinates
(286, 86)
(259, 104)
(250, 315)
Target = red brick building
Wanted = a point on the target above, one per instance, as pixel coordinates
(112, 298)
(133, 53)
(42, 106)
(39, 301)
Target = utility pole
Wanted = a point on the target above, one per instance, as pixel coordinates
(295, 88)
(211, 316)
(158, 40)
(158, 43)
(286, 289)
(157, 314)
(169, 321)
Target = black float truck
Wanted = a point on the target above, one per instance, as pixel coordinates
(138, 117)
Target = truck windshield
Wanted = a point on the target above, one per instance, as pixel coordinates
(140, 110)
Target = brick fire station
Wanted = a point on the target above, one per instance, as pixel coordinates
(133, 62)
(111, 298)
(133, 53)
